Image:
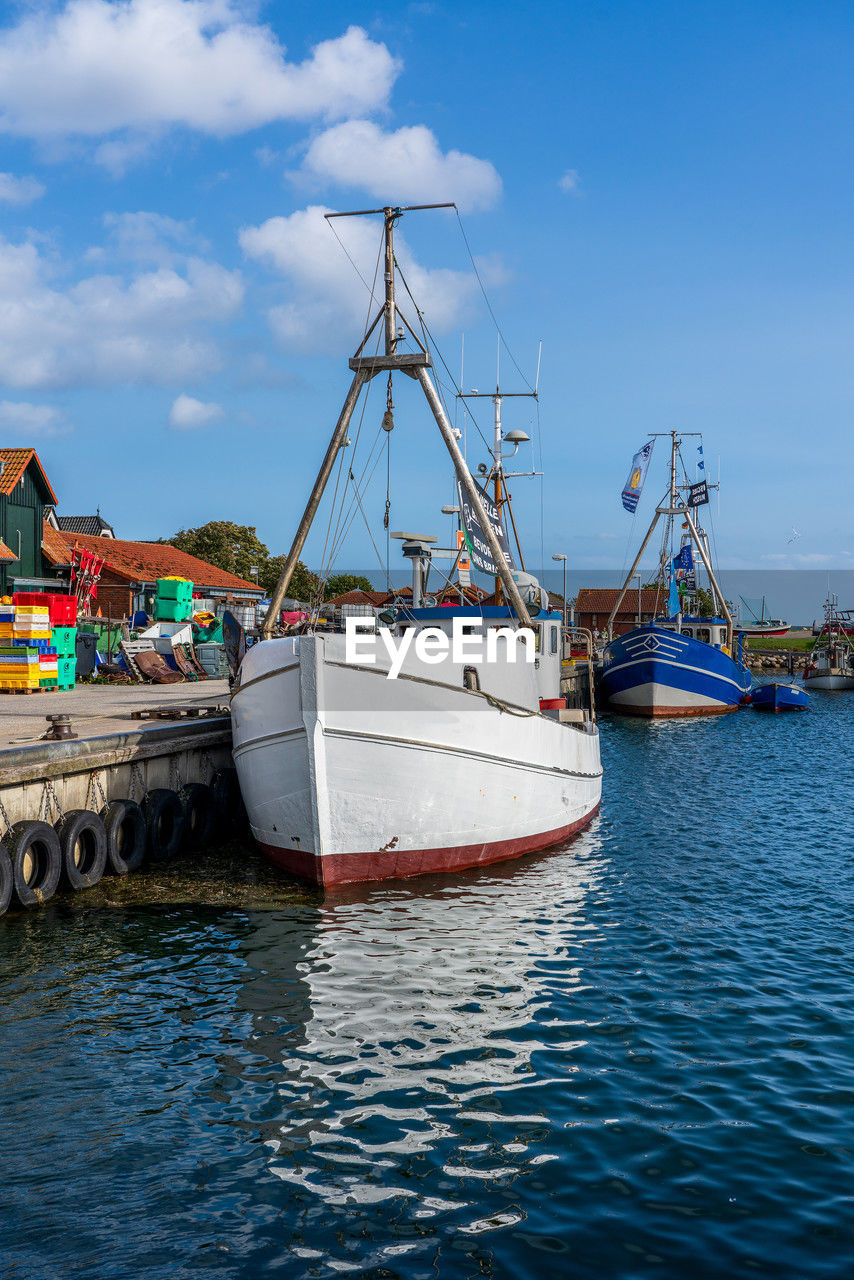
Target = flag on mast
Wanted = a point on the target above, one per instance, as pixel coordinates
(637, 475)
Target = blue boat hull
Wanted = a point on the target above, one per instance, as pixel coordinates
(779, 697)
(652, 671)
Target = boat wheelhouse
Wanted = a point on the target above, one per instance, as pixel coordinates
(830, 663)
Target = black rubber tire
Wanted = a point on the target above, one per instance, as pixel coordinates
(200, 815)
(7, 880)
(36, 861)
(83, 842)
(164, 820)
(229, 802)
(127, 836)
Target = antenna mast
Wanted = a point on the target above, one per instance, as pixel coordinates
(365, 367)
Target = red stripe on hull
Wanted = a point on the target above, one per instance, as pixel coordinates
(393, 864)
(654, 712)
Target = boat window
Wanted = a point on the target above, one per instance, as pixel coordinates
(704, 634)
(553, 648)
(687, 631)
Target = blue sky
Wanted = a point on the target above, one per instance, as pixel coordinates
(660, 193)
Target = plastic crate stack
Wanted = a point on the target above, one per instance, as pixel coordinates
(19, 668)
(7, 621)
(65, 647)
(31, 639)
(173, 601)
(56, 643)
(48, 670)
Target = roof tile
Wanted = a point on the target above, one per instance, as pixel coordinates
(142, 561)
(601, 600)
(15, 463)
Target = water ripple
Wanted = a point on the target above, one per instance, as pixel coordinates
(628, 1058)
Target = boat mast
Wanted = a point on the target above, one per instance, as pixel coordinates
(365, 368)
(673, 447)
(673, 450)
(496, 467)
(675, 508)
(501, 490)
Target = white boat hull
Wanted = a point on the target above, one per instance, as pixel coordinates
(348, 776)
(654, 699)
(829, 682)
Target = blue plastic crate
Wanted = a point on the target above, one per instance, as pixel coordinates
(43, 646)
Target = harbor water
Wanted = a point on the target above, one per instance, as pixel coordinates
(631, 1057)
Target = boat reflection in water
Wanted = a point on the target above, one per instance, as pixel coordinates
(406, 1068)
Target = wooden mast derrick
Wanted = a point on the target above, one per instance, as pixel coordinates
(365, 367)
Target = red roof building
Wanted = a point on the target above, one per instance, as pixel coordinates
(131, 570)
(370, 599)
(593, 607)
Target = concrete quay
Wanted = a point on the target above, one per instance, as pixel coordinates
(114, 757)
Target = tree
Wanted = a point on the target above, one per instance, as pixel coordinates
(340, 583)
(705, 603)
(304, 585)
(232, 547)
(237, 549)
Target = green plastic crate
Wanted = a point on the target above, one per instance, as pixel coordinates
(64, 640)
(67, 671)
(172, 610)
(174, 589)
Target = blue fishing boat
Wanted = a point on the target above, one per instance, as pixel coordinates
(779, 697)
(680, 664)
(661, 669)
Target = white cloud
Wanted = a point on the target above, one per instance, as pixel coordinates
(117, 155)
(188, 414)
(150, 325)
(570, 180)
(327, 304)
(806, 560)
(152, 237)
(94, 68)
(19, 190)
(405, 166)
(32, 419)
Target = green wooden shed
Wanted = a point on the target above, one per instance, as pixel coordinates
(24, 492)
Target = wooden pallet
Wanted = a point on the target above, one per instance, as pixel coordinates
(128, 650)
(178, 713)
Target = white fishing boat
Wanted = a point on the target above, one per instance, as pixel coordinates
(350, 775)
(830, 663)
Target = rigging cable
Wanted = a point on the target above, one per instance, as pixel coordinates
(488, 303)
(431, 344)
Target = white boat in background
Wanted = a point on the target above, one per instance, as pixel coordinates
(761, 626)
(830, 663)
(350, 776)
